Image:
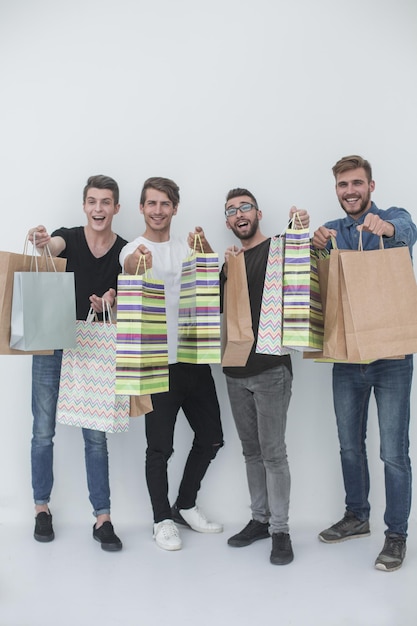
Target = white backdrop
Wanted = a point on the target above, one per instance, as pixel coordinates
(265, 95)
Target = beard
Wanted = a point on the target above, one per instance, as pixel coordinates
(362, 207)
(248, 234)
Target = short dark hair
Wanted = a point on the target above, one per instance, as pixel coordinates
(99, 181)
(166, 185)
(239, 191)
(352, 162)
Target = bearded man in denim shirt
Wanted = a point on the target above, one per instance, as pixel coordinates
(389, 378)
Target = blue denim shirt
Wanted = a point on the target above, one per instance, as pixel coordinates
(348, 235)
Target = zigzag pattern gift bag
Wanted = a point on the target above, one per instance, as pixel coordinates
(199, 338)
(270, 319)
(141, 341)
(302, 317)
(87, 386)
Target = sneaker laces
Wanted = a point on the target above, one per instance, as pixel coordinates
(168, 530)
(252, 527)
(106, 529)
(393, 547)
(345, 521)
(281, 541)
(201, 516)
(44, 521)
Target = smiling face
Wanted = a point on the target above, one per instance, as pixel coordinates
(100, 208)
(244, 225)
(157, 211)
(354, 190)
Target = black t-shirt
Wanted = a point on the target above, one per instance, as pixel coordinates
(256, 259)
(92, 275)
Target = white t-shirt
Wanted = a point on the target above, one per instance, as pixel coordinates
(167, 258)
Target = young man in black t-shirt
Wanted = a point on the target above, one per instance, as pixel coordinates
(260, 393)
(92, 253)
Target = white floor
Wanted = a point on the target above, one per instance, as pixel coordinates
(71, 581)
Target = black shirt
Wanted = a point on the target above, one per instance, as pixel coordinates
(92, 275)
(256, 259)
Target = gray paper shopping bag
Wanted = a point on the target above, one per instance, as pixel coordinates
(43, 312)
(11, 262)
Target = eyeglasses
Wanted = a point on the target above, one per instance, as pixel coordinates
(244, 208)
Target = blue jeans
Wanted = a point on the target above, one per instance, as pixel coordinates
(259, 406)
(46, 370)
(352, 386)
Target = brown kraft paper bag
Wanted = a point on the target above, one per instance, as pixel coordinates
(11, 262)
(334, 342)
(379, 298)
(140, 405)
(238, 335)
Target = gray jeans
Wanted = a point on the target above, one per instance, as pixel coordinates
(259, 407)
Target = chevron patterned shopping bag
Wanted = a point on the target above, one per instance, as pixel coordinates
(141, 340)
(270, 319)
(302, 311)
(87, 387)
(199, 310)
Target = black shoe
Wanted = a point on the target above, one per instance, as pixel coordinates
(43, 527)
(107, 537)
(349, 527)
(252, 532)
(392, 554)
(281, 553)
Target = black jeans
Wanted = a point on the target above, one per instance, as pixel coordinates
(191, 387)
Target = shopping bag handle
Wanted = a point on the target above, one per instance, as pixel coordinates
(198, 238)
(333, 242)
(291, 224)
(360, 242)
(141, 258)
(106, 310)
(293, 220)
(46, 254)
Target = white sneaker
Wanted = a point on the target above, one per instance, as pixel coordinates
(166, 535)
(195, 519)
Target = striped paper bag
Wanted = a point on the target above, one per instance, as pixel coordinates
(302, 311)
(141, 340)
(199, 310)
(270, 319)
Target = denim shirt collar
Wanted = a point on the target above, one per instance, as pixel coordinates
(352, 222)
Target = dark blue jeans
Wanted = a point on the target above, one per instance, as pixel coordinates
(191, 388)
(391, 383)
(46, 371)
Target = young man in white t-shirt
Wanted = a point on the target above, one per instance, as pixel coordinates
(191, 387)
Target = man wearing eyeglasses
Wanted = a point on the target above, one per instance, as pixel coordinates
(260, 392)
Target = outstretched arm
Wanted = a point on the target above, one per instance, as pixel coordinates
(40, 237)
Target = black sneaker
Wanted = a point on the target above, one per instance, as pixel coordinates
(281, 553)
(252, 532)
(392, 554)
(43, 527)
(107, 537)
(350, 527)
